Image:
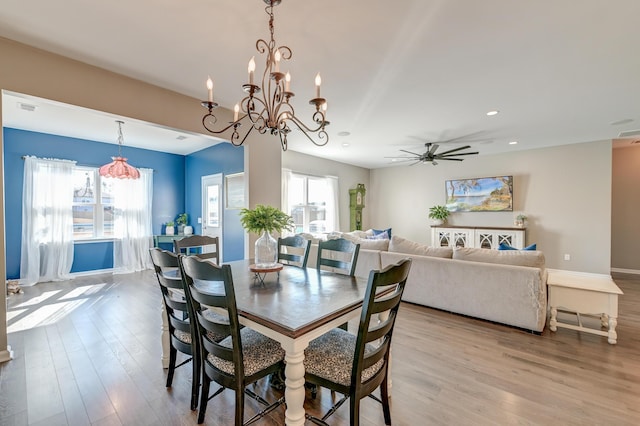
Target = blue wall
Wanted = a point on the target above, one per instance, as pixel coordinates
(168, 188)
(226, 159)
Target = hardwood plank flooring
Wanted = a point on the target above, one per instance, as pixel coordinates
(87, 352)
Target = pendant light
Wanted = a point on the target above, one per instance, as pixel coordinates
(119, 168)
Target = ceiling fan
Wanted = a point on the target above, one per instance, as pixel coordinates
(431, 156)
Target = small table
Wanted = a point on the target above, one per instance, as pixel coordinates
(261, 273)
(584, 294)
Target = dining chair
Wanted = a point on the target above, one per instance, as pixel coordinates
(181, 329)
(356, 365)
(204, 246)
(241, 359)
(294, 250)
(340, 254)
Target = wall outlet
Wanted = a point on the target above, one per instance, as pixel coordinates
(199, 220)
(567, 257)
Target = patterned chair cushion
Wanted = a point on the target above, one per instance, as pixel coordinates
(185, 337)
(258, 350)
(330, 356)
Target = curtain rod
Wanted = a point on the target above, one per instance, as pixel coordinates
(82, 165)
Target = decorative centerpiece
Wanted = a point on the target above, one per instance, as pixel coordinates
(264, 220)
(438, 215)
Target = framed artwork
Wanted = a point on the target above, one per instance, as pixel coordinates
(234, 188)
(487, 194)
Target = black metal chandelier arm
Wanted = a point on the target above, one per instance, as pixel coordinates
(217, 132)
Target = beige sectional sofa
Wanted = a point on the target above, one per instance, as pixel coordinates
(507, 287)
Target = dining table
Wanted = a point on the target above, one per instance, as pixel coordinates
(292, 306)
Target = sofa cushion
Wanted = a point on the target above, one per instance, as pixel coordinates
(534, 259)
(381, 236)
(402, 245)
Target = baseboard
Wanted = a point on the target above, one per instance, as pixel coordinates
(92, 272)
(6, 355)
(626, 271)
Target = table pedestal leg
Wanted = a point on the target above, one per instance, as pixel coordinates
(294, 392)
(165, 338)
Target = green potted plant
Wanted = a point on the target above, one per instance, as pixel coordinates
(438, 214)
(168, 228)
(182, 220)
(520, 220)
(264, 220)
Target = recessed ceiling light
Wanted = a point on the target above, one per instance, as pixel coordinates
(493, 112)
(181, 137)
(513, 143)
(345, 144)
(344, 133)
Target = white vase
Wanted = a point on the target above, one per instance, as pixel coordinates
(169, 230)
(437, 222)
(266, 251)
(188, 230)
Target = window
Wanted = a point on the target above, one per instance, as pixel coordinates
(92, 204)
(310, 200)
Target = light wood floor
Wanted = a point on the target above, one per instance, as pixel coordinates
(87, 352)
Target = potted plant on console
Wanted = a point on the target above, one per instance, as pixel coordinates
(264, 220)
(438, 215)
(168, 228)
(182, 220)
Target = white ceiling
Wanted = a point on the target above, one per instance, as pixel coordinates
(395, 74)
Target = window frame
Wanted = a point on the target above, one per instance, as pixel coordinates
(98, 208)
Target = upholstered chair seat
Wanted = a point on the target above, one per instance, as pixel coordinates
(330, 356)
(258, 353)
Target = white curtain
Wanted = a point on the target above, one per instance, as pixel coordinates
(332, 210)
(286, 177)
(47, 220)
(132, 223)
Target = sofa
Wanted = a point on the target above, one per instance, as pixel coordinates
(507, 287)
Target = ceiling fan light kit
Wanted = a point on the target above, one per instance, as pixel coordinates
(271, 111)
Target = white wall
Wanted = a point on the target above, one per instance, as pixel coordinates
(565, 191)
(348, 177)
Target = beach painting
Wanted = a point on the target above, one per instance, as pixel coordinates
(488, 194)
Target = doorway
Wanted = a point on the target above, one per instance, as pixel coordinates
(212, 217)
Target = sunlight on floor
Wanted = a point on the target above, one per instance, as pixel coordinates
(49, 307)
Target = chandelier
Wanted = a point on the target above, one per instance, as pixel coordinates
(271, 111)
(119, 168)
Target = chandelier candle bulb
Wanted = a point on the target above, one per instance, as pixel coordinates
(251, 68)
(277, 60)
(236, 110)
(318, 83)
(210, 88)
(287, 82)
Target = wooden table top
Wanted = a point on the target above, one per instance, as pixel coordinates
(296, 300)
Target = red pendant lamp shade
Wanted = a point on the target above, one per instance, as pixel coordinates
(119, 168)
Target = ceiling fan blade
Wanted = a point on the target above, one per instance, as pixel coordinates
(401, 159)
(409, 152)
(456, 149)
(432, 148)
(450, 159)
(413, 164)
(457, 154)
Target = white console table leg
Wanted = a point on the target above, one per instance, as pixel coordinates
(553, 322)
(612, 336)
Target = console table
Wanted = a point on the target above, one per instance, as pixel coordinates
(477, 236)
(586, 295)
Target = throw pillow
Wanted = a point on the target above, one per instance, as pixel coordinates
(380, 231)
(504, 246)
(381, 236)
